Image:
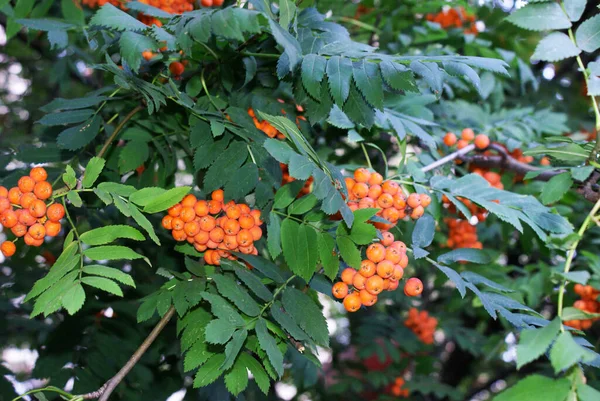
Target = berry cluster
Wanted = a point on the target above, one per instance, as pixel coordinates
(369, 190)
(421, 324)
(33, 219)
(214, 227)
(587, 303)
(382, 270)
(467, 136)
(396, 389)
(265, 126)
(287, 178)
(455, 18)
(461, 234)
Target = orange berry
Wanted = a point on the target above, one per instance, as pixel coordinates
(208, 256)
(200, 247)
(375, 179)
(450, 139)
(179, 235)
(234, 212)
(8, 219)
(374, 191)
(216, 234)
(386, 283)
(176, 68)
(367, 268)
(27, 199)
(544, 162)
(14, 195)
(166, 222)
(390, 187)
(19, 230)
(376, 252)
(3, 192)
(244, 238)
(461, 144)
(467, 134)
(8, 248)
(230, 242)
(201, 238)
(366, 298)
(349, 183)
(214, 207)
(246, 249)
(385, 201)
(385, 269)
(37, 231)
(413, 287)
(4, 204)
(244, 208)
(147, 55)
(362, 175)
(246, 221)
(417, 212)
(399, 201)
(177, 224)
(25, 217)
(359, 281)
(387, 238)
(413, 200)
(52, 228)
(232, 227)
(393, 255)
(37, 208)
(256, 214)
(191, 228)
(374, 284)
(403, 261)
(189, 201)
(340, 290)
(201, 208)
(43, 190)
(482, 141)
(425, 200)
(187, 214)
(352, 302)
(348, 275)
(175, 210)
(26, 184)
(366, 203)
(398, 273)
(360, 190)
(207, 223)
(55, 212)
(218, 195)
(256, 233)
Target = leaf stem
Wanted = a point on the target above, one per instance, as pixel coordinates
(362, 145)
(78, 239)
(203, 81)
(118, 129)
(263, 55)
(571, 255)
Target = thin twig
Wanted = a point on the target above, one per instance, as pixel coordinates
(448, 158)
(118, 129)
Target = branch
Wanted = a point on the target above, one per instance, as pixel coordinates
(118, 129)
(106, 390)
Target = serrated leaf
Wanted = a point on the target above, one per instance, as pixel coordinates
(281, 151)
(105, 235)
(555, 47)
(92, 171)
(328, 255)
(349, 251)
(264, 266)
(116, 188)
(534, 343)
(540, 17)
(80, 135)
(287, 322)
(253, 282)
(466, 255)
(536, 388)
(398, 76)
(236, 380)
(357, 109)
(219, 331)
(109, 272)
(565, 352)
(303, 205)
(368, 81)
(148, 10)
(133, 155)
(111, 17)
(74, 198)
(339, 119)
(254, 366)
(146, 195)
(73, 104)
(556, 188)
(143, 222)
(236, 294)
(268, 343)
(242, 181)
(363, 233)
(574, 8)
(132, 45)
(103, 284)
(306, 314)
(167, 199)
(274, 235)
(112, 252)
(41, 24)
(225, 165)
(210, 371)
(196, 356)
(73, 299)
(313, 71)
(300, 167)
(588, 34)
(290, 44)
(339, 73)
(424, 231)
(232, 349)
(66, 117)
(298, 251)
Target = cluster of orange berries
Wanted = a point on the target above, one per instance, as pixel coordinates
(287, 178)
(33, 219)
(455, 18)
(369, 190)
(421, 324)
(396, 389)
(265, 126)
(587, 303)
(467, 136)
(214, 227)
(461, 234)
(382, 270)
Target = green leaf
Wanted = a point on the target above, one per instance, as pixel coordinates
(307, 315)
(555, 47)
(339, 73)
(536, 388)
(464, 254)
(143, 222)
(574, 8)
(368, 81)
(588, 34)
(253, 282)
(104, 235)
(357, 109)
(339, 119)
(424, 231)
(571, 313)
(242, 181)
(587, 393)
(398, 76)
(92, 170)
(580, 277)
(313, 71)
(66, 117)
(300, 167)
(287, 12)
(67, 260)
(232, 349)
(287, 322)
(534, 343)
(80, 135)
(111, 17)
(287, 194)
(103, 284)
(148, 10)
(73, 104)
(570, 152)
(167, 199)
(303, 205)
(268, 343)
(210, 371)
(328, 255)
(226, 163)
(146, 195)
(74, 198)
(290, 44)
(219, 331)
(281, 151)
(116, 188)
(349, 251)
(264, 266)
(363, 233)
(540, 17)
(556, 188)
(196, 356)
(133, 155)
(44, 24)
(298, 248)
(236, 294)
(274, 235)
(236, 380)
(565, 352)
(109, 272)
(72, 11)
(112, 252)
(254, 366)
(73, 299)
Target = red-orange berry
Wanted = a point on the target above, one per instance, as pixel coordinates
(8, 248)
(43, 190)
(340, 290)
(55, 212)
(348, 275)
(26, 184)
(450, 139)
(413, 287)
(176, 68)
(482, 141)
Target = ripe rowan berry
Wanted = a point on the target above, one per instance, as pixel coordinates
(399, 201)
(376, 252)
(214, 207)
(206, 3)
(26, 184)
(189, 201)
(340, 290)
(366, 203)
(207, 223)
(256, 214)
(349, 183)
(387, 238)
(8, 218)
(166, 222)
(374, 284)
(398, 273)
(348, 275)
(360, 190)
(3, 192)
(375, 191)
(37, 208)
(175, 210)
(359, 281)
(4, 204)
(362, 175)
(230, 242)
(403, 262)
(177, 224)
(178, 235)
(393, 255)
(246, 221)
(234, 212)
(482, 141)
(352, 302)
(191, 228)
(187, 214)
(244, 238)
(366, 298)
(19, 230)
(375, 179)
(425, 200)
(8, 248)
(256, 233)
(14, 195)
(37, 231)
(461, 143)
(27, 199)
(55, 212)
(25, 217)
(390, 187)
(413, 287)
(176, 68)
(385, 200)
(367, 268)
(201, 208)
(450, 139)
(417, 212)
(393, 285)
(52, 228)
(216, 234)
(43, 190)
(218, 195)
(413, 200)
(467, 134)
(385, 268)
